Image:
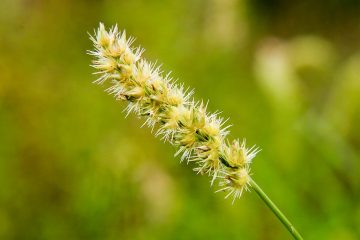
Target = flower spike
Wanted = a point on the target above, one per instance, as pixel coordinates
(166, 105)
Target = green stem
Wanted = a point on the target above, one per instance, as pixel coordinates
(275, 210)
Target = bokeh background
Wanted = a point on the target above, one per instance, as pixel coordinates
(287, 73)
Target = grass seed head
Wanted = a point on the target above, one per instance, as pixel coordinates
(199, 136)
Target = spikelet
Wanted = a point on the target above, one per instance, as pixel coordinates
(169, 108)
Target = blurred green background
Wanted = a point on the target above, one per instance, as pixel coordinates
(287, 73)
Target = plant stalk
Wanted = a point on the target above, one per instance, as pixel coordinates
(276, 210)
